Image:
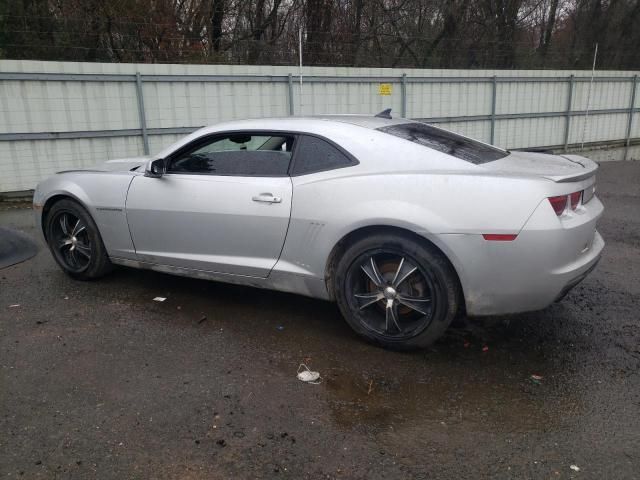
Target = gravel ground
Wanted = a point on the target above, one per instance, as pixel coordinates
(99, 381)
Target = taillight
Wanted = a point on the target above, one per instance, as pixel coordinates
(558, 204)
(575, 199)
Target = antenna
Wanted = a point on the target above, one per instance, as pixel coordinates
(300, 70)
(586, 113)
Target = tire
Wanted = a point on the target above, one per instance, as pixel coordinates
(75, 242)
(396, 291)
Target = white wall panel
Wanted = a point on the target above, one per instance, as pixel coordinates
(25, 163)
(448, 100)
(45, 106)
(635, 126)
(58, 106)
(603, 95)
(530, 132)
(599, 128)
(531, 97)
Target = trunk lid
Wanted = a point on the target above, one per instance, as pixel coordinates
(559, 168)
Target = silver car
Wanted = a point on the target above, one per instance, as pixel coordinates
(403, 224)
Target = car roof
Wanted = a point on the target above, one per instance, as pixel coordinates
(306, 123)
(367, 121)
(331, 126)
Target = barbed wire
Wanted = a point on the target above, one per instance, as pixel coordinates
(342, 47)
(73, 38)
(365, 35)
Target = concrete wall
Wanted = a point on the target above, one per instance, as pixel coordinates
(99, 118)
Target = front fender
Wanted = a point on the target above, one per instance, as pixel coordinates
(102, 194)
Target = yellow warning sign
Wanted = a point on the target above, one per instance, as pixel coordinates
(385, 89)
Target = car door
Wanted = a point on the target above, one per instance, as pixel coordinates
(223, 205)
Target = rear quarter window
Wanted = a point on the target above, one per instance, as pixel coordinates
(315, 154)
(447, 142)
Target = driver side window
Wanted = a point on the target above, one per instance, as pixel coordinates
(239, 154)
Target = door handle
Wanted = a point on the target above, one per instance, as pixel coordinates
(266, 198)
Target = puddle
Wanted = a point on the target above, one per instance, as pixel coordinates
(15, 247)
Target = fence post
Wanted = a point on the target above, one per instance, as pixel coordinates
(567, 122)
(631, 112)
(143, 118)
(493, 109)
(403, 91)
(290, 90)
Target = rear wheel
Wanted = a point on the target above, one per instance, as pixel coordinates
(396, 291)
(75, 242)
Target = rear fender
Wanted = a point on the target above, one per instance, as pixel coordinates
(326, 209)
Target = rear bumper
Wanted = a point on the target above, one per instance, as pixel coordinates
(575, 281)
(540, 266)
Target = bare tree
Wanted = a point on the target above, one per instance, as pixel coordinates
(396, 33)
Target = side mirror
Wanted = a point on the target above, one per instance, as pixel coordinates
(155, 168)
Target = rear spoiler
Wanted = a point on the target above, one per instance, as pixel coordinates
(590, 169)
(534, 150)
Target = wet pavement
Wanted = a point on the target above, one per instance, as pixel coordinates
(97, 380)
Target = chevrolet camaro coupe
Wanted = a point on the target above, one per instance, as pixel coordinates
(403, 224)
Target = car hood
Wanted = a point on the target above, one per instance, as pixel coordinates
(559, 168)
(117, 165)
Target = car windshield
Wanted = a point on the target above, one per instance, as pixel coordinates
(447, 142)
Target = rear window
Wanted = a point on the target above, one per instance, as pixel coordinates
(447, 142)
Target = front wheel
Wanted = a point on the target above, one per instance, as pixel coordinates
(396, 291)
(75, 242)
